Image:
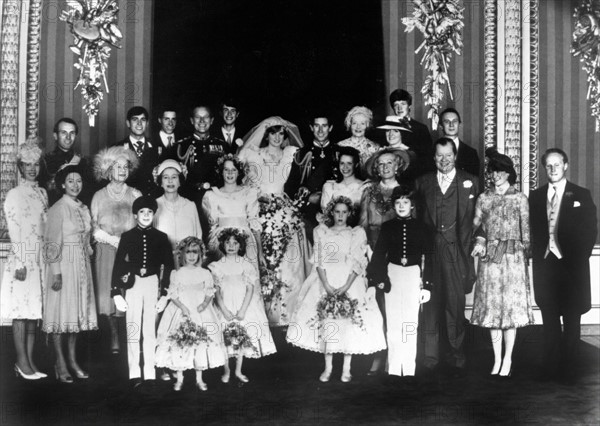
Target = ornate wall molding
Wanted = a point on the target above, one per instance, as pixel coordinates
(33, 67)
(9, 99)
(512, 83)
(491, 79)
(21, 29)
(534, 92)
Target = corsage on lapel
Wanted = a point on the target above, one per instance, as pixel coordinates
(467, 184)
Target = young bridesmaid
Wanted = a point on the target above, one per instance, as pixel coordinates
(191, 292)
(236, 280)
(340, 261)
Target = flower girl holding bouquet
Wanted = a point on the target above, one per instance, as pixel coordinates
(188, 335)
(245, 331)
(333, 314)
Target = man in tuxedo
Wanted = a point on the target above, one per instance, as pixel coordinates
(563, 233)
(166, 137)
(418, 139)
(147, 153)
(229, 131)
(467, 158)
(447, 206)
(65, 133)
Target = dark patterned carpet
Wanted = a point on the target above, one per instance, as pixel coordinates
(284, 389)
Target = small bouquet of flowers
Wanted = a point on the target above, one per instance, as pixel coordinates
(236, 337)
(338, 306)
(189, 334)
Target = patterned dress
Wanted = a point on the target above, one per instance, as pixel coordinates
(502, 298)
(339, 253)
(114, 217)
(25, 211)
(364, 146)
(67, 252)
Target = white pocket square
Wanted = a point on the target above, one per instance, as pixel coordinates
(576, 204)
(471, 196)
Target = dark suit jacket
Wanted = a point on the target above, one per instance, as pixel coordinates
(467, 159)
(420, 143)
(576, 235)
(165, 153)
(217, 132)
(142, 179)
(427, 187)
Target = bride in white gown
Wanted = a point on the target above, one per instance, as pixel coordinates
(268, 153)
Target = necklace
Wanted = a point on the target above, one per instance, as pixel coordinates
(116, 195)
(173, 206)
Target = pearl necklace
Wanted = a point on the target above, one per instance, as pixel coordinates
(173, 206)
(116, 196)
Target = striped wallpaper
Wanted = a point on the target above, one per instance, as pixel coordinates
(403, 69)
(128, 76)
(565, 119)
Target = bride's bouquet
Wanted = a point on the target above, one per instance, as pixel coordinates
(338, 306)
(280, 219)
(189, 334)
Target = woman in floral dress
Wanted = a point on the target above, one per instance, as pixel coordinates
(502, 299)
(25, 210)
(268, 152)
(340, 261)
(111, 216)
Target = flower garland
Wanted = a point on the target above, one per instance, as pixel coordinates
(279, 219)
(586, 45)
(189, 334)
(94, 29)
(337, 306)
(441, 22)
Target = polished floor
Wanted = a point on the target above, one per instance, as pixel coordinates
(284, 389)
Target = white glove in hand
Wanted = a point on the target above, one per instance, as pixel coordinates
(424, 296)
(120, 303)
(161, 304)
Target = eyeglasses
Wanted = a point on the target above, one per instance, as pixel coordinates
(192, 251)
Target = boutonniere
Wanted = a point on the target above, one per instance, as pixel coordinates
(576, 204)
(568, 194)
(239, 142)
(467, 184)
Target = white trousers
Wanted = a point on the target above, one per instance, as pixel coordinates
(141, 317)
(402, 314)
